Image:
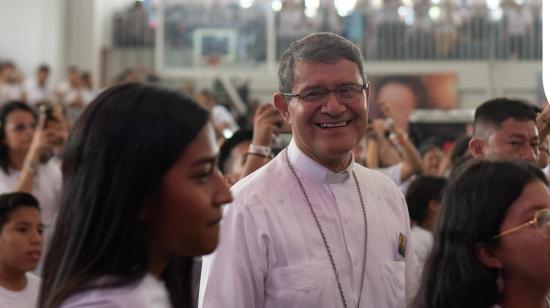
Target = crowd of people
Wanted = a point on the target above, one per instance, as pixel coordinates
(74, 92)
(385, 30)
(321, 206)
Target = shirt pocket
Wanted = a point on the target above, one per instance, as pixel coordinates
(303, 285)
(303, 277)
(394, 275)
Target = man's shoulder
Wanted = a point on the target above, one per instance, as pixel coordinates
(266, 183)
(269, 174)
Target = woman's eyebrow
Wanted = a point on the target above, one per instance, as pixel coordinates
(204, 160)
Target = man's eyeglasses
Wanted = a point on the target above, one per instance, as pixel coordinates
(20, 127)
(346, 94)
(541, 221)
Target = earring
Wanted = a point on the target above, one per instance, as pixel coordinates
(500, 282)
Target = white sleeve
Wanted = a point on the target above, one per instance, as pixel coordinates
(6, 183)
(233, 276)
(411, 263)
(393, 172)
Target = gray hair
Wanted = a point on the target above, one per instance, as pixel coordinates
(321, 47)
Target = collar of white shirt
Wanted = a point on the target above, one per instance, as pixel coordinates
(311, 169)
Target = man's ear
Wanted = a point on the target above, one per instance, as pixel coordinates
(433, 207)
(282, 105)
(477, 147)
(487, 256)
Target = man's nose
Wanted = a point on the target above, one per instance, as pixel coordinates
(333, 106)
(530, 154)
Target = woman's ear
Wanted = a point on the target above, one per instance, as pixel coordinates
(487, 256)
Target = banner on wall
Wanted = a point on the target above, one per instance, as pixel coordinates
(402, 94)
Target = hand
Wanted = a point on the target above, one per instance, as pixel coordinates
(379, 126)
(543, 122)
(385, 110)
(39, 143)
(544, 116)
(267, 120)
(372, 134)
(56, 134)
(399, 137)
(49, 135)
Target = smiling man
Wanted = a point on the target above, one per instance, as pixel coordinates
(313, 228)
(505, 129)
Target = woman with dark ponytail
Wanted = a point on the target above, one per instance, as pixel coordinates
(141, 197)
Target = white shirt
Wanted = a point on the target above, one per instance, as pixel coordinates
(46, 188)
(10, 92)
(70, 94)
(147, 293)
(26, 298)
(423, 241)
(36, 93)
(394, 173)
(271, 253)
(73, 95)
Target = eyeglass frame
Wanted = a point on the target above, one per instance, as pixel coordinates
(532, 222)
(21, 127)
(365, 86)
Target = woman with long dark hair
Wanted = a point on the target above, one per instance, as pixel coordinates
(491, 242)
(141, 196)
(27, 142)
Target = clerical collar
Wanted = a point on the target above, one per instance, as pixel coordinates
(315, 171)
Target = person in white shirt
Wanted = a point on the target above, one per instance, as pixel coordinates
(142, 196)
(10, 83)
(73, 92)
(37, 89)
(313, 228)
(423, 200)
(21, 244)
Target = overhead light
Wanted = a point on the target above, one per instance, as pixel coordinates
(311, 4)
(344, 7)
(245, 4)
(434, 12)
(377, 4)
(276, 5)
(493, 4)
(407, 14)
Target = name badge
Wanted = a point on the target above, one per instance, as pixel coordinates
(401, 249)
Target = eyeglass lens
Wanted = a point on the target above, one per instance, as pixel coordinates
(543, 222)
(346, 93)
(19, 127)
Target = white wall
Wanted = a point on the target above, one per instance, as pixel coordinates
(33, 33)
(57, 32)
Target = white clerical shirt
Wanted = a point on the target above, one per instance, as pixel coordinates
(271, 253)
